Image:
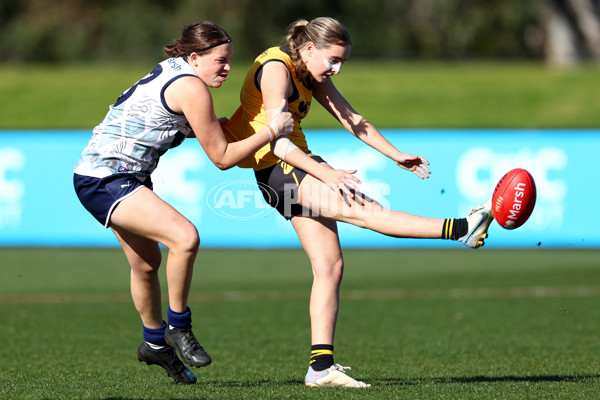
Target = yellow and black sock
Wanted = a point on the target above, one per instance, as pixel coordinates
(321, 356)
(454, 228)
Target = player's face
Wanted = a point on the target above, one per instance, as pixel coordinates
(214, 66)
(323, 63)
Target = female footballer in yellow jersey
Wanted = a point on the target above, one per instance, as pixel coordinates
(251, 116)
(311, 194)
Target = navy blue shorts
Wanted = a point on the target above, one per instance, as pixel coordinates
(278, 185)
(100, 196)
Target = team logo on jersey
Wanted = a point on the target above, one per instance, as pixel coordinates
(122, 169)
(302, 110)
(303, 107)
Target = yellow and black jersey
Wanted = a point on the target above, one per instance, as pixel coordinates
(250, 116)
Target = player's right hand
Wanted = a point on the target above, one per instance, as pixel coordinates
(341, 181)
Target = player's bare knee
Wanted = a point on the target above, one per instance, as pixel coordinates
(146, 261)
(187, 239)
(146, 267)
(192, 240)
(329, 270)
(369, 206)
(361, 210)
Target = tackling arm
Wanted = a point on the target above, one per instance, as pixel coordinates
(191, 97)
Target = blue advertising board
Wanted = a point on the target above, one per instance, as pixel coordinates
(38, 206)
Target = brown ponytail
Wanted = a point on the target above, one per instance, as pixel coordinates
(199, 37)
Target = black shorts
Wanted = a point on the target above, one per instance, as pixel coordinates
(279, 184)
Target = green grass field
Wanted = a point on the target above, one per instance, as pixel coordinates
(417, 324)
(390, 94)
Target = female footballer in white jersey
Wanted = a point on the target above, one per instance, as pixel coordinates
(302, 182)
(112, 181)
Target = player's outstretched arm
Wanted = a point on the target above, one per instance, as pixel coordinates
(327, 94)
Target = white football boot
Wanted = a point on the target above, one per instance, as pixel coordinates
(332, 376)
(479, 220)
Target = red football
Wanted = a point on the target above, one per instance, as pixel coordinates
(514, 198)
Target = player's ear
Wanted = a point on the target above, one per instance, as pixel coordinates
(193, 58)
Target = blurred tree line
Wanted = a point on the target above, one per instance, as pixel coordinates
(136, 30)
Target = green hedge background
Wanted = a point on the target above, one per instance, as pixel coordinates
(135, 30)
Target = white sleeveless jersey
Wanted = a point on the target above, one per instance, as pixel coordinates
(138, 128)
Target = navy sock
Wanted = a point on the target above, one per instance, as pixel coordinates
(156, 336)
(179, 320)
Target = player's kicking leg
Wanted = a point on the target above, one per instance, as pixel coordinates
(366, 213)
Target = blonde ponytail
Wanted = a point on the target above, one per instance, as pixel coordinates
(322, 31)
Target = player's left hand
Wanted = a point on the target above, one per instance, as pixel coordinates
(416, 164)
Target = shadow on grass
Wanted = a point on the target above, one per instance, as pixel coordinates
(419, 381)
(395, 381)
(257, 383)
(225, 384)
(481, 378)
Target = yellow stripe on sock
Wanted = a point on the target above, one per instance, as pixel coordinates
(450, 228)
(316, 353)
(446, 227)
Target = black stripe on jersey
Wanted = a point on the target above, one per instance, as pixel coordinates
(162, 92)
(295, 95)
